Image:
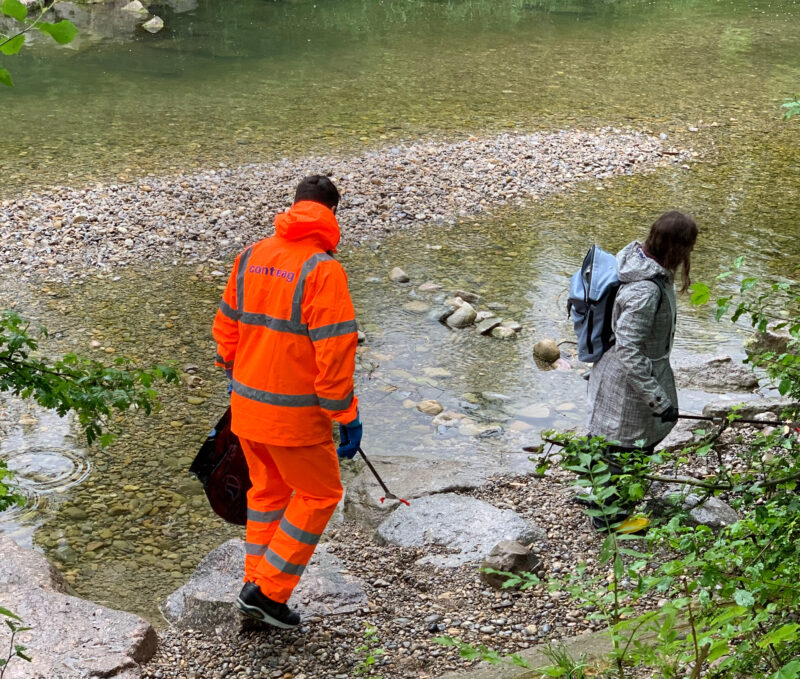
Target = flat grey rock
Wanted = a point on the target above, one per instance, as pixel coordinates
(486, 326)
(465, 527)
(751, 408)
(71, 638)
(414, 477)
(714, 373)
(206, 601)
(462, 317)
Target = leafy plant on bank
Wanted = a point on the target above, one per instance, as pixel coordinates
(25, 21)
(15, 650)
(371, 650)
(728, 601)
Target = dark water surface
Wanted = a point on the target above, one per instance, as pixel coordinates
(250, 81)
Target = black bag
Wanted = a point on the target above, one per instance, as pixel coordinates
(221, 466)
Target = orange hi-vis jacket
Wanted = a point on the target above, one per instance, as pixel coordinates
(286, 326)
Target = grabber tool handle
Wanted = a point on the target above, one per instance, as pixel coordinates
(389, 494)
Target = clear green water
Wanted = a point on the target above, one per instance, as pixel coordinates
(260, 79)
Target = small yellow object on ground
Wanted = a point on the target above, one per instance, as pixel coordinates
(633, 525)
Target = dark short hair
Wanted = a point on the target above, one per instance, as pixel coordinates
(319, 188)
(671, 239)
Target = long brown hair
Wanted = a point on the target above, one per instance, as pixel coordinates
(670, 243)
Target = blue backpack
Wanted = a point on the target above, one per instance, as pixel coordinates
(592, 291)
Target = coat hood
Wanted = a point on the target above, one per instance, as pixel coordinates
(634, 265)
(308, 219)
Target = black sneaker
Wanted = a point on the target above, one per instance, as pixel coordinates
(252, 602)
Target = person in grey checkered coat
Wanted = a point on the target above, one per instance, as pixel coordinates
(632, 392)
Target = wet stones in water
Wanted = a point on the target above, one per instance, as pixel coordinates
(470, 297)
(537, 411)
(153, 25)
(441, 313)
(508, 556)
(416, 306)
(486, 325)
(547, 350)
(429, 286)
(462, 317)
(430, 407)
(137, 8)
(777, 340)
(397, 275)
(503, 332)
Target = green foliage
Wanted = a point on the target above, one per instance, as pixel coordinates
(7, 497)
(563, 664)
(16, 626)
(481, 653)
(791, 107)
(63, 32)
(771, 306)
(371, 651)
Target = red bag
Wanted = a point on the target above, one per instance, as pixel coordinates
(221, 466)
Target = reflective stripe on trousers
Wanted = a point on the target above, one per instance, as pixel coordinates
(294, 493)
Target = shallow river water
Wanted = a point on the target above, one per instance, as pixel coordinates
(258, 80)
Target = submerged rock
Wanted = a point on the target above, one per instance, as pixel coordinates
(135, 6)
(714, 373)
(547, 350)
(71, 638)
(206, 601)
(430, 407)
(486, 326)
(398, 275)
(503, 332)
(466, 528)
(153, 25)
(777, 340)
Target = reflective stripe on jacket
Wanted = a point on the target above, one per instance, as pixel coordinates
(286, 326)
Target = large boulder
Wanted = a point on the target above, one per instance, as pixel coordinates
(463, 529)
(714, 373)
(71, 638)
(416, 477)
(206, 601)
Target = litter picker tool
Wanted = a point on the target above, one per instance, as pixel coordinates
(389, 495)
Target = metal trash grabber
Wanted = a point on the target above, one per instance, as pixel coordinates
(761, 423)
(389, 494)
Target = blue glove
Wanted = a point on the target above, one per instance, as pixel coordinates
(229, 373)
(350, 439)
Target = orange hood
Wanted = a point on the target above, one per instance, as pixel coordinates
(307, 219)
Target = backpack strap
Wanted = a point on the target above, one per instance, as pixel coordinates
(659, 282)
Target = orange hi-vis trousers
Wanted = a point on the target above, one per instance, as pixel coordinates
(295, 491)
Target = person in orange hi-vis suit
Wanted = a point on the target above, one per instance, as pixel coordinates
(286, 335)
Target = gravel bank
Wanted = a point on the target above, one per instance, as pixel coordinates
(409, 606)
(201, 216)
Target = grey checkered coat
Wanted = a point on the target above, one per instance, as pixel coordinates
(633, 380)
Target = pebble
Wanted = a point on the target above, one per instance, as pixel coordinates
(398, 275)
